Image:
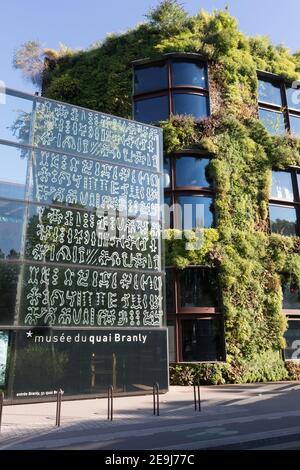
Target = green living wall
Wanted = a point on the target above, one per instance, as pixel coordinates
(249, 260)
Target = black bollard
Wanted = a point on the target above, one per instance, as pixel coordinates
(110, 401)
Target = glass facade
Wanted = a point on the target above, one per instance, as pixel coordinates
(81, 276)
(279, 105)
(171, 86)
(202, 340)
(284, 202)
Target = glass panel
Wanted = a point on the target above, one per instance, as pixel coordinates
(172, 337)
(283, 220)
(11, 227)
(282, 187)
(167, 173)
(152, 109)
(15, 119)
(198, 288)
(3, 356)
(189, 74)
(191, 104)
(87, 362)
(202, 340)
(150, 78)
(295, 125)
(192, 171)
(292, 337)
(13, 176)
(273, 121)
(269, 93)
(9, 275)
(170, 291)
(291, 295)
(293, 98)
(196, 212)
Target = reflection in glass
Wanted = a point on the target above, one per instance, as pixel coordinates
(283, 220)
(172, 337)
(273, 121)
(192, 171)
(196, 211)
(291, 295)
(191, 104)
(4, 335)
(282, 187)
(293, 98)
(189, 74)
(13, 175)
(167, 173)
(151, 109)
(269, 93)
(292, 337)
(150, 78)
(9, 274)
(295, 125)
(198, 288)
(11, 226)
(15, 117)
(202, 340)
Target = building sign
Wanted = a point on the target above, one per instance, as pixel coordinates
(84, 212)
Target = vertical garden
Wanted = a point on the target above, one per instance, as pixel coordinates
(249, 259)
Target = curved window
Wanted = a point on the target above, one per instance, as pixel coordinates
(189, 74)
(190, 104)
(192, 171)
(172, 86)
(150, 78)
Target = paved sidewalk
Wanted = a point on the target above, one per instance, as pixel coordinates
(230, 414)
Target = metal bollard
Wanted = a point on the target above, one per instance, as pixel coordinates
(1, 407)
(110, 402)
(156, 399)
(58, 407)
(197, 400)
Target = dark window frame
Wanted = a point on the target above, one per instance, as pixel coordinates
(284, 108)
(174, 191)
(192, 313)
(168, 60)
(284, 203)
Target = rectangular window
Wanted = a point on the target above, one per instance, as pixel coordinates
(14, 171)
(192, 171)
(269, 93)
(11, 227)
(295, 125)
(167, 173)
(282, 187)
(292, 337)
(170, 291)
(273, 121)
(196, 212)
(9, 276)
(283, 220)
(291, 295)
(202, 340)
(198, 288)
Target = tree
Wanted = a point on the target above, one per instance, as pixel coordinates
(29, 58)
(169, 16)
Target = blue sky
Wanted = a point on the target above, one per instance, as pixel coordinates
(79, 23)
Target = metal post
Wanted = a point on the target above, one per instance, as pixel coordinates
(1, 407)
(110, 395)
(58, 407)
(197, 399)
(156, 399)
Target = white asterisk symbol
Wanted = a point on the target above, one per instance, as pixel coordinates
(29, 334)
